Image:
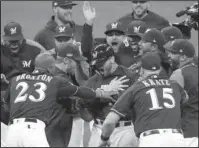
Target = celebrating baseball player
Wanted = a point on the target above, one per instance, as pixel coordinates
(181, 53)
(32, 99)
(108, 70)
(155, 102)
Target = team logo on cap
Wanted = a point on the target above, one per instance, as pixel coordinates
(62, 29)
(69, 54)
(55, 3)
(172, 37)
(136, 29)
(13, 30)
(114, 25)
(154, 40)
(94, 54)
(147, 30)
(154, 68)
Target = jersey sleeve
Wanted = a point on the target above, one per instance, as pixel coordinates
(124, 103)
(67, 89)
(177, 76)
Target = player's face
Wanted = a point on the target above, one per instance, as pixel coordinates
(14, 46)
(64, 13)
(145, 46)
(62, 41)
(140, 7)
(174, 59)
(106, 68)
(115, 39)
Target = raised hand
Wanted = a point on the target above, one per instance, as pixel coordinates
(89, 13)
(118, 84)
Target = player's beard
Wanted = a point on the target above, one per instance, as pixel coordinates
(140, 14)
(14, 48)
(174, 64)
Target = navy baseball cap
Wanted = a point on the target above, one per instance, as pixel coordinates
(71, 51)
(136, 28)
(151, 61)
(13, 32)
(183, 47)
(101, 54)
(58, 3)
(64, 31)
(154, 36)
(114, 27)
(171, 33)
(44, 61)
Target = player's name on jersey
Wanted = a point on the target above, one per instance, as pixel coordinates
(158, 82)
(31, 77)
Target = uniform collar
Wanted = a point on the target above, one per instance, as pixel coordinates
(188, 62)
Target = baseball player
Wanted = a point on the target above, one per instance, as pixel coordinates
(155, 102)
(62, 16)
(32, 99)
(181, 52)
(140, 11)
(107, 70)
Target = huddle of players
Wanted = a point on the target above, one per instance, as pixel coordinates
(145, 75)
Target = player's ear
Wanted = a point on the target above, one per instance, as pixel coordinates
(148, 5)
(183, 58)
(55, 10)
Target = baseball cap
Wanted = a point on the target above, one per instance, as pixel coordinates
(151, 61)
(101, 54)
(58, 3)
(154, 36)
(13, 31)
(171, 33)
(71, 51)
(136, 28)
(115, 26)
(44, 61)
(183, 47)
(64, 31)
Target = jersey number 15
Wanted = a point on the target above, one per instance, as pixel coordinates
(167, 95)
(39, 88)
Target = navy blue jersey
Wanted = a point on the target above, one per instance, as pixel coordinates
(156, 104)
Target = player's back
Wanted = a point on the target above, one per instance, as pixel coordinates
(157, 104)
(34, 96)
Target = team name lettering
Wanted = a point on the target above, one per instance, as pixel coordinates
(30, 77)
(159, 82)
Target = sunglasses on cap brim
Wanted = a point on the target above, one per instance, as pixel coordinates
(141, 2)
(116, 33)
(66, 6)
(63, 38)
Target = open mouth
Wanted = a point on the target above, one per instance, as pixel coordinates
(14, 49)
(114, 43)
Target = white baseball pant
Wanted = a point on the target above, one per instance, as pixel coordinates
(165, 139)
(76, 139)
(123, 136)
(26, 134)
(191, 142)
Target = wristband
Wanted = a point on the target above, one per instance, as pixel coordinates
(104, 138)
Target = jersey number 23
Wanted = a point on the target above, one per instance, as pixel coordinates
(39, 89)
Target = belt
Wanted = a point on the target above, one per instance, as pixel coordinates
(25, 120)
(119, 124)
(159, 131)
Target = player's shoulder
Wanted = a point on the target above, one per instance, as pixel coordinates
(127, 16)
(35, 44)
(157, 17)
(137, 86)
